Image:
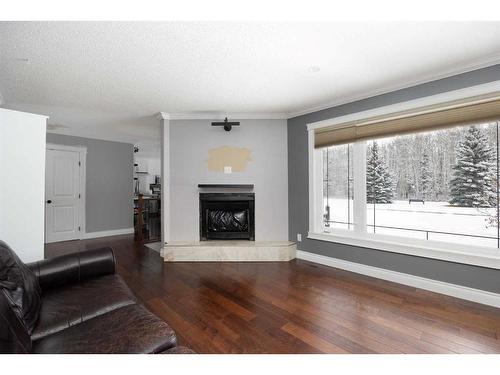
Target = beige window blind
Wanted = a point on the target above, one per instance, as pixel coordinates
(482, 109)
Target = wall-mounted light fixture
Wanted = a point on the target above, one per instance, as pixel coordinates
(226, 124)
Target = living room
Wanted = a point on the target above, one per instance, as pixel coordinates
(218, 186)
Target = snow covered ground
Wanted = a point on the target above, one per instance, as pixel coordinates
(431, 216)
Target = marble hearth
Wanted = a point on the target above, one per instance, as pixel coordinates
(230, 251)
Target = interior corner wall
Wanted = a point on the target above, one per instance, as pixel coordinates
(22, 189)
(190, 143)
(109, 185)
(471, 276)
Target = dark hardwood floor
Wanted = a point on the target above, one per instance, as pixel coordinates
(295, 307)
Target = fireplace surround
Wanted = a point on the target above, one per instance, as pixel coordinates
(227, 216)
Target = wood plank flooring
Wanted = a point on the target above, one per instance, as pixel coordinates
(295, 307)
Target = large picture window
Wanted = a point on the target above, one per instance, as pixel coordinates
(419, 186)
(439, 185)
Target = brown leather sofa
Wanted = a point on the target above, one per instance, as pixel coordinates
(75, 303)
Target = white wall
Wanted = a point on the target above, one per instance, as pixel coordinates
(190, 141)
(22, 190)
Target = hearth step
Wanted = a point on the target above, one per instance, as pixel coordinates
(230, 251)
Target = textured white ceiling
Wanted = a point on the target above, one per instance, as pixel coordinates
(107, 80)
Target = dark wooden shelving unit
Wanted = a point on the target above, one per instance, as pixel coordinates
(147, 219)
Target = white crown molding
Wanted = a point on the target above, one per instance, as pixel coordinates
(458, 291)
(491, 61)
(221, 116)
(163, 116)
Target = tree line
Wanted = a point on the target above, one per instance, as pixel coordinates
(456, 165)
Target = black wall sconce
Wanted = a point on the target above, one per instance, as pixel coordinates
(226, 124)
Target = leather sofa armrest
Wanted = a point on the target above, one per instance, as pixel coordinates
(74, 267)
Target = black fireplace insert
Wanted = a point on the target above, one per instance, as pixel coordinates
(227, 216)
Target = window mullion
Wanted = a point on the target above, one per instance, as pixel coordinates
(318, 201)
(359, 174)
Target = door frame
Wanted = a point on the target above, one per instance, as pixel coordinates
(82, 151)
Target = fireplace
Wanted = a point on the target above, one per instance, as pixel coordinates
(227, 216)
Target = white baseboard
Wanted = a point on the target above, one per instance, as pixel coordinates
(107, 233)
(463, 292)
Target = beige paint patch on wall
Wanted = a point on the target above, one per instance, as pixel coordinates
(226, 156)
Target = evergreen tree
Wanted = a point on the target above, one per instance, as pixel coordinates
(379, 182)
(473, 172)
(425, 177)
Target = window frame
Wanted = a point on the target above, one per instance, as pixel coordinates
(358, 236)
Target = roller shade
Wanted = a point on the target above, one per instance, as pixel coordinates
(465, 112)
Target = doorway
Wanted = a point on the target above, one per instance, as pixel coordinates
(64, 192)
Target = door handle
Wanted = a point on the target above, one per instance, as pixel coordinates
(49, 201)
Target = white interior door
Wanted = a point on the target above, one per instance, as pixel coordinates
(62, 196)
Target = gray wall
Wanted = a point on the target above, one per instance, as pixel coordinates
(190, 143)
(109, 186)
(471, 276)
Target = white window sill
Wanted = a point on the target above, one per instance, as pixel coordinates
(478, 256)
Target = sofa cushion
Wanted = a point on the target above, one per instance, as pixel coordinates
(66, 306)
(129, 329)
(20, 287)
